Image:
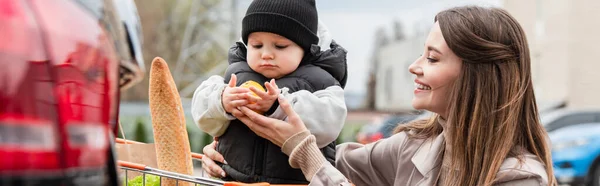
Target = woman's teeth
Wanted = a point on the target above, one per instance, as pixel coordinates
(422, 87)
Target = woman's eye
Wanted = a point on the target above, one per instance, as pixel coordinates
(431, 60)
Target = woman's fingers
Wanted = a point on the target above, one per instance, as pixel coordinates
(253, 106)
(260, 130)
(287, 108)
(266, 127)
(208, 164)
(256, 118)
(237, 113)
(212, 168)
(253, 119)
(210, 151)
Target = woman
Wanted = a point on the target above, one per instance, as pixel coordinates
(475, 74)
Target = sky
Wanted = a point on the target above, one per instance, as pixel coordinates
(353, 24)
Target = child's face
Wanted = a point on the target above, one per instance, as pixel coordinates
(272, 55)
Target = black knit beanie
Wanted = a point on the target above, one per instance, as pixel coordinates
(295, 20)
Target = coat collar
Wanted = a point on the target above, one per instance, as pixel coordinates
(427, 159)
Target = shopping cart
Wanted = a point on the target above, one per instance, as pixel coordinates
(145, 170)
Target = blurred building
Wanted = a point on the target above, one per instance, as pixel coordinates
(394, 83)
(563, 37)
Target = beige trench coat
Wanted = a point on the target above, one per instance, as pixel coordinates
(401, 161)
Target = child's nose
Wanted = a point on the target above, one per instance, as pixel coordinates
(266, 55)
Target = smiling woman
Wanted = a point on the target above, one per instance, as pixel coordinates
(477, 64)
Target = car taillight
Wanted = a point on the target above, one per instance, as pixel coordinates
(27, 144)
(58, 93)
(85, 66)
(376, 136)
(28, 116)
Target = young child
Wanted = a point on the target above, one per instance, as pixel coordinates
(280, 48)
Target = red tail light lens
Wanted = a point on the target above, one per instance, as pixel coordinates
(376, 136)
(27, 144)
(28, 136)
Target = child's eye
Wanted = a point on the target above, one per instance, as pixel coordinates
(281, 46)
(257, 46)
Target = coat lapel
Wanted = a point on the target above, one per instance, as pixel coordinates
(426, 160)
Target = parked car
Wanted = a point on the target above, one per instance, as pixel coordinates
(384, 127)
(560, 118)
(364, 134)
(576, 154)
(59, 89)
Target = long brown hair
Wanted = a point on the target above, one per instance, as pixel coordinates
(492, 110)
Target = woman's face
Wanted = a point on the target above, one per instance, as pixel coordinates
(436, 70)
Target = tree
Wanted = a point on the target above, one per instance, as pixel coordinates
(188, 34)
(139, 133)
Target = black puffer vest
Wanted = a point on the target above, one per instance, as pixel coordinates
(251, 158)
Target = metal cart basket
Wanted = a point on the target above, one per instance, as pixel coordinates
(145, 171)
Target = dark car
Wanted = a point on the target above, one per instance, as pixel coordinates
(565, 117)
(63, 63)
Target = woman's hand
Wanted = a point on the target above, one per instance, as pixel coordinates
(276, 131)
(208, 160)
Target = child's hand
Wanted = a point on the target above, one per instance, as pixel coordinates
(234, 97)
(265, 100)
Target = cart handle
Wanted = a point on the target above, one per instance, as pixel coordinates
(131, 165)
(245, 184)
(253, 184)
(124, 141)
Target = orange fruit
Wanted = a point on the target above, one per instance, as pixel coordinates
(256, 85)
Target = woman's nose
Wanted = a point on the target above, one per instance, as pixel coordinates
(415, 68)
